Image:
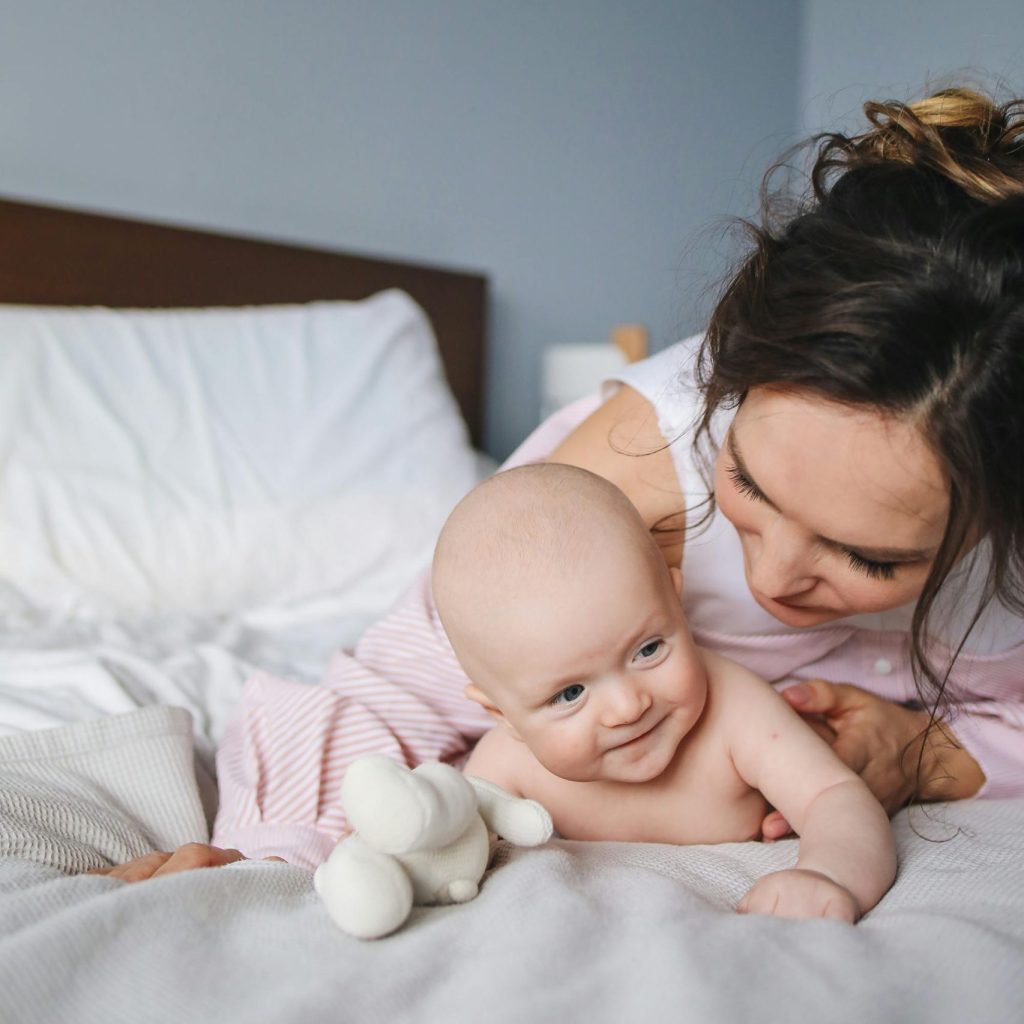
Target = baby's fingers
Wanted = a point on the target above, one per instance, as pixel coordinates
(184, 858)
(197, 855)
(775, 827)
(838, 909)
(135, 870)
(759, 900)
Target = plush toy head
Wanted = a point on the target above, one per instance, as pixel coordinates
(421, 837)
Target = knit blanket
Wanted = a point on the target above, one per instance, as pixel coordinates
(570, 931)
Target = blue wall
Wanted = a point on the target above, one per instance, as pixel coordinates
(574, 150)
(881, 49)
(581, 152)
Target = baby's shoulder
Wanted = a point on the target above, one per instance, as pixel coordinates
(733, 690)
(726, 676)
(500, 758)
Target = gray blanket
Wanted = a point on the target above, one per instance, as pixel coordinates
(572, 931)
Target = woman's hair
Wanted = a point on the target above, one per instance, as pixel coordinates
(897, 282)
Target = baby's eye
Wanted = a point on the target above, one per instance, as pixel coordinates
(649, 650)
(569, 695)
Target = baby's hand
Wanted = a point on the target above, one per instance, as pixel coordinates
(184, 858)
(799, 893)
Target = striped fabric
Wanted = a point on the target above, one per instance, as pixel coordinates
(280, 765)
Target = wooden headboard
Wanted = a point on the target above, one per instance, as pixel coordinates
(51, 256)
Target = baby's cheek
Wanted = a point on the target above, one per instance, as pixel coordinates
(567, 753)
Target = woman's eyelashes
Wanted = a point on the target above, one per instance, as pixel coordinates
(873, 570)
(744, 484)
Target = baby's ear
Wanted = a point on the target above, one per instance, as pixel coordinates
(677, 579)
(474, 693)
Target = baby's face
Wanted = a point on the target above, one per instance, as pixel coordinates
(597, 674)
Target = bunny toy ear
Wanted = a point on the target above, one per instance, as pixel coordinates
(522, 822)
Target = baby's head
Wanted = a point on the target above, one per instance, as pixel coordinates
(562, 612)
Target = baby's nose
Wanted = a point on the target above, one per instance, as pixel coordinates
(626, 703)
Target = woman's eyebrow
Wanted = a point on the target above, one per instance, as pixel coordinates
(872, 554)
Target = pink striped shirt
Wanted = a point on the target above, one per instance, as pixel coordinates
(400, 692)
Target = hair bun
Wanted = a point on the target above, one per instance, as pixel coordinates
(958, 133)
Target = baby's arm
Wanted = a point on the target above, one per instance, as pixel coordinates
(847, 857)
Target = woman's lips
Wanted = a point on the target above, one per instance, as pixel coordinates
(791, 603)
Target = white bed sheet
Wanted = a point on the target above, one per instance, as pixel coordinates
(596, 932)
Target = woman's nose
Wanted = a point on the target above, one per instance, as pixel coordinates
(624, 703)
(780, 563)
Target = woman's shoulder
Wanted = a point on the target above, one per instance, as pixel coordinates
(634, 434)
(622, 441)
(667, 381)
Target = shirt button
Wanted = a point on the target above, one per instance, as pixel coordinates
(883, 666)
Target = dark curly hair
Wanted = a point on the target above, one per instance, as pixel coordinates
(897, 281)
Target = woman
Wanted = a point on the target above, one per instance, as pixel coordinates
(863, 388)
(858, 405)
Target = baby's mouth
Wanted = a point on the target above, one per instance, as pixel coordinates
(639, 736)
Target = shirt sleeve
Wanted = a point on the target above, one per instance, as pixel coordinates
(992, 732)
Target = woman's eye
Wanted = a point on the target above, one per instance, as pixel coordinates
(649, 650)
(744, 484)
(569, 695)
(873, 570)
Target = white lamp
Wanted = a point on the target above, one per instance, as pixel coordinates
(572, 371)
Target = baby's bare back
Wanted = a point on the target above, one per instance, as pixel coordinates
(699, 798)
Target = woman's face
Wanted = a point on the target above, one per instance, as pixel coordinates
(840, 510)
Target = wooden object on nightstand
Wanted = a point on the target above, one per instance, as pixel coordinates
(631, 341)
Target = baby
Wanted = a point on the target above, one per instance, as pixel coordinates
(562, 612)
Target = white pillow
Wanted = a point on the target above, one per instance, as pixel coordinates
(215, 460)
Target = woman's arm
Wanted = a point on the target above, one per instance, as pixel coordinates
(981, 753)
(885, 742)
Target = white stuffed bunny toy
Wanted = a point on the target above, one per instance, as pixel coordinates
(421, 837)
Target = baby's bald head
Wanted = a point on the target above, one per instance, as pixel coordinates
(527, 533)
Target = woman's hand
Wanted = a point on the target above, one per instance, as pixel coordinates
(184, 858)
(882, 741)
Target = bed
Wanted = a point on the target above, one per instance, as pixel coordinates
(186, 441)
